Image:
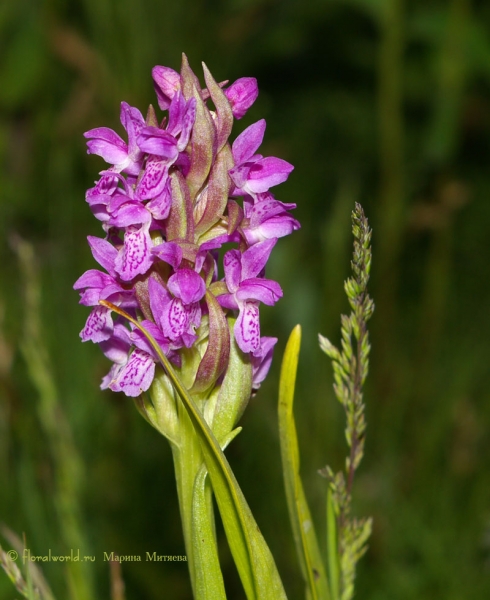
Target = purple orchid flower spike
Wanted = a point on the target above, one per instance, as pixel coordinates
(254, 174)
(242, 94)
(168, 201)
(125, 157)
(247, 289)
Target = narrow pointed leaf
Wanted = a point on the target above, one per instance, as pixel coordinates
(223, 109)
(217, 192)
(203, 140)
(180, 224)
(217, 353)
(235, 390)
(304, 535)
(208, 577)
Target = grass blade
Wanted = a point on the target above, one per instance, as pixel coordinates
(304, 534)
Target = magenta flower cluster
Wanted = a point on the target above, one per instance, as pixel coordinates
(167, 203)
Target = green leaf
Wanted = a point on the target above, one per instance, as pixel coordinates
(217, 353)
(208, 576)
(304, 534)
(251, 554)
(224, 113)
(203, 133)
(235, 390)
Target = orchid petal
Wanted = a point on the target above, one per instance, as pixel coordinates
(158, 142)
(247, 327)
(255, 258)
(130, 213)
(232, 263)
(154, 179)
(160, 205)
(262, 360)
(187, 285)
(263, 290)
(247, 143)
(135, 257)
(268, 172)
(92, 279)
(159, 299)
(103, 252)
(108, 144)
(136, 375)
(99, 325)
(167, 83)
(175, 319)
(241, 95)
(169, 252)
(116, 348)
(141, 341)
(275, 227)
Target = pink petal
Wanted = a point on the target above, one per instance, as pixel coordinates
(266, 173)
(136, 375)
(241, 95)
(233, 269)
(116, 348)
(227, 301)
(275, 227)
(255, 258)
(161, 204)
(159, 300)
(106, 143)
(262, 360)
(93, 279)
(167, 83)
(175, 319)
(141, 342)
(169, 252)
(247, 143)
(130, 213)
(135, 257)
(247, 327)
(103, 252)
(263, 290)
(99, 325)
(154, 180)
(187, 285)
(187, 125)
(158, 142)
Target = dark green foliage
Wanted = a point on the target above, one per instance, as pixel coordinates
(386, 108)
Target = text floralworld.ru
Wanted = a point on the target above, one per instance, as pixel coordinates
(75, 556)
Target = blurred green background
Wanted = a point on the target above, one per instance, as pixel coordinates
(379, 101)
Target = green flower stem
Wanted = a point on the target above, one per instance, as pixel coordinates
(187, 462)
(168, 415)
(332, 548)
